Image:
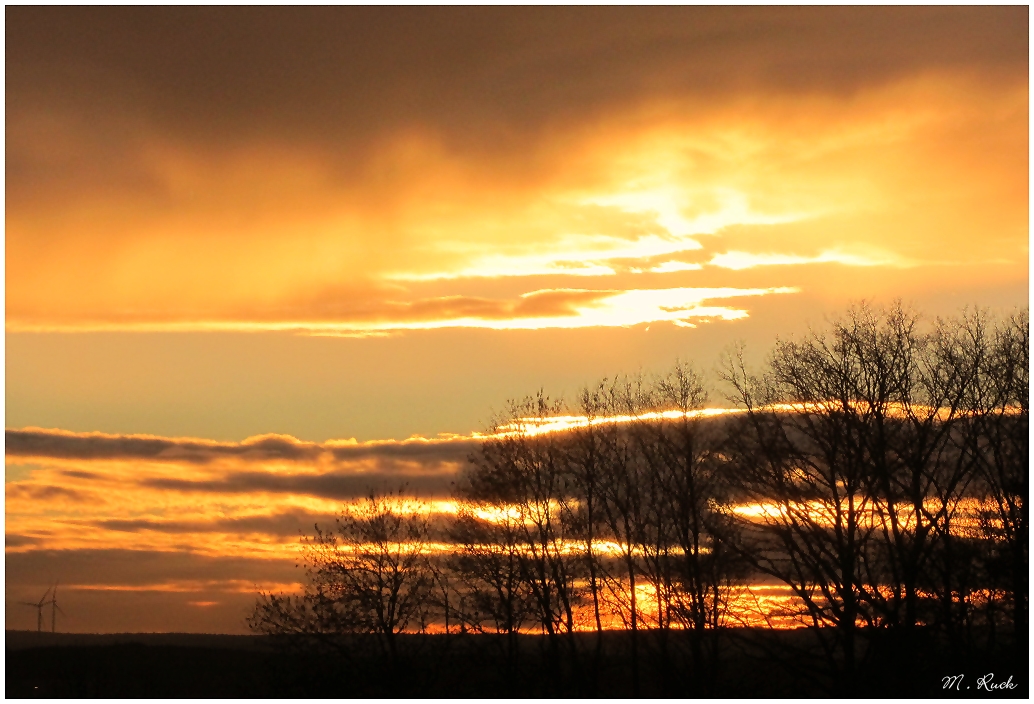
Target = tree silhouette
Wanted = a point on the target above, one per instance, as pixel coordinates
(877, 467)
(368, 575)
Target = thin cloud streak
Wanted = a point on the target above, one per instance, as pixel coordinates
(747, 260)
(36, 443)
(535, 310)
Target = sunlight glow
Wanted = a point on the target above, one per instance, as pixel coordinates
(532, 426)
(668, 204)
(747, 260)
(674, 266)
(611, 309)
(594, 254)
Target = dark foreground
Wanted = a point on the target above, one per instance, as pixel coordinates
(752, 663)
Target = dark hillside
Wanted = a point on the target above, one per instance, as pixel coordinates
(757, 664)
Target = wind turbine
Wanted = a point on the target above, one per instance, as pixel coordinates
(54, 608)
(39, 609)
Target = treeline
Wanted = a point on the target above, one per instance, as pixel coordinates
(877, 470)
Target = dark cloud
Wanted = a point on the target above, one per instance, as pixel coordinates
(556, 302)
(37, 442)
(349, 69)
(79, 474)
(283, 524)
(415, 450)
(425, 467)
(336, 485)
(59, 444)
(377, 308)
(546, 303)
(536, 304)
(290, 524)
(37, 492)
(137, 567)
(13, 540)
(86, 88)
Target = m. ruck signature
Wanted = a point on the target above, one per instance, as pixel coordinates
(986, 683)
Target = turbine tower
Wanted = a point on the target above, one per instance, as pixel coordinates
(54, 608)
(39, 610)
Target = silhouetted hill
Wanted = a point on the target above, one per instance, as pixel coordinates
(20, 640)
(755, 663)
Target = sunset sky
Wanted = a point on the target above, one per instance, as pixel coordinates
(258, 258)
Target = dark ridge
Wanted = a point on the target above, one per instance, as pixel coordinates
(463, 665)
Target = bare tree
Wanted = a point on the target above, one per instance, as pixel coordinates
(695, 564)
(801, 467)
(586, 458)
(1000, 407)
(488, 570)
(878, 468)
(524, 470)
(861, 447)
(368, 575)
(623, 509)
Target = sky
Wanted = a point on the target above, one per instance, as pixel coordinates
(257, 258)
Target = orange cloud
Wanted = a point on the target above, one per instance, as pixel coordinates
(277, 235)
(549, 308)
(746, 260)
